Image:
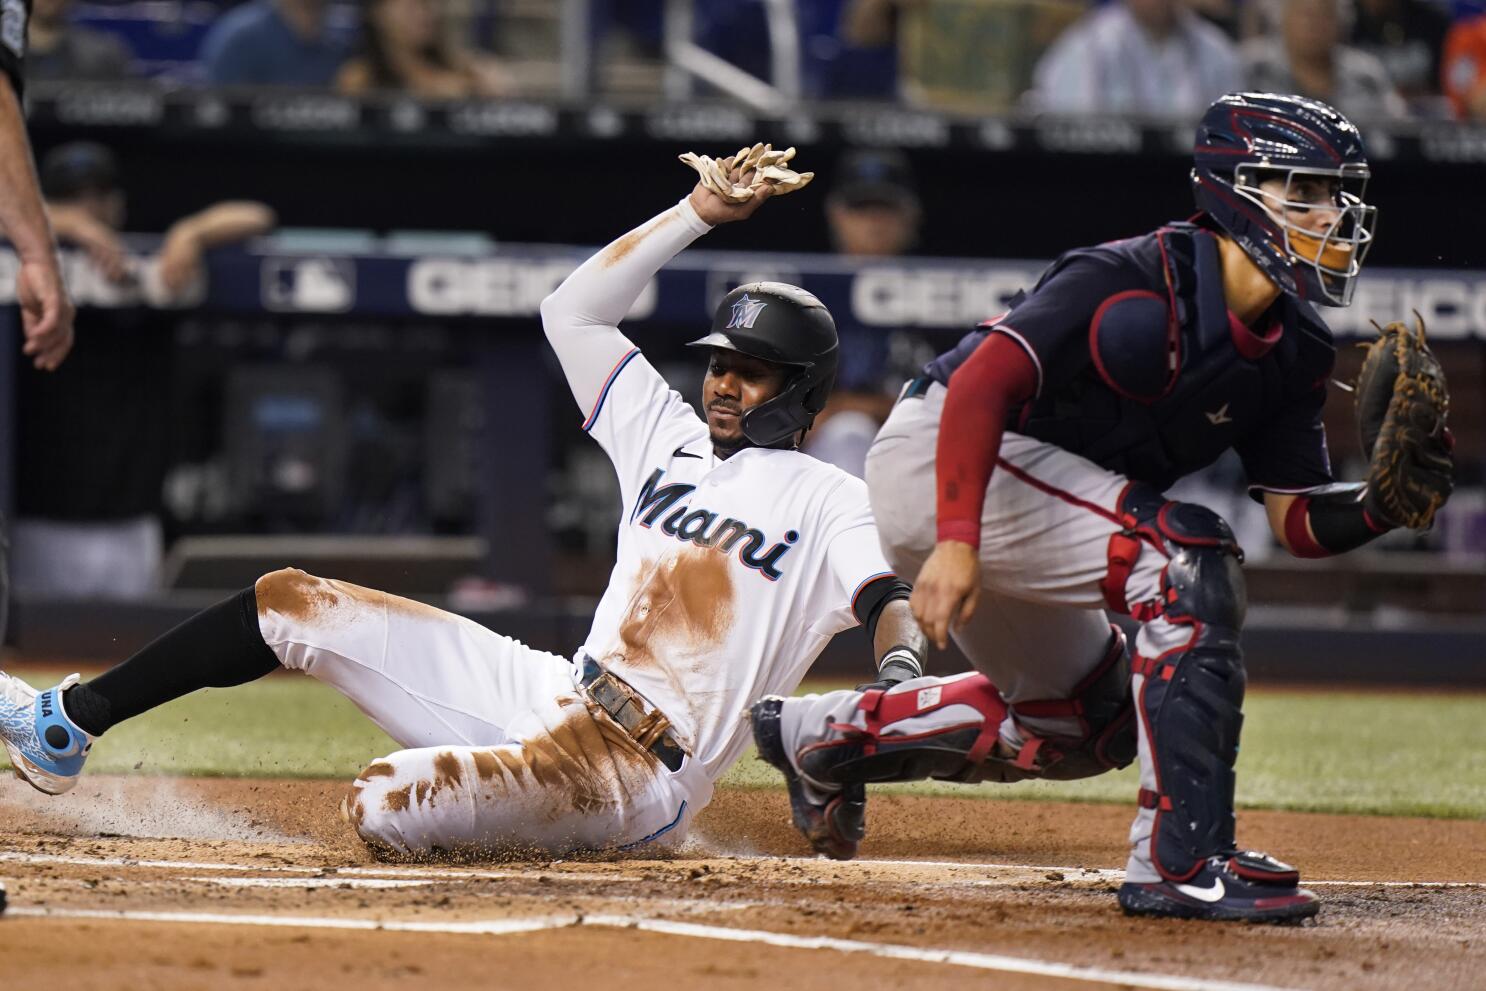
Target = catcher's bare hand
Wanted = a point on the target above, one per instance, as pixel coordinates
(947, 590)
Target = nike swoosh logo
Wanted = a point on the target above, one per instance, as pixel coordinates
(1211, 894)
(678, 453)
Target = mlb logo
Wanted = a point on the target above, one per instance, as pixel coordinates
(309, 285)
(745, 312)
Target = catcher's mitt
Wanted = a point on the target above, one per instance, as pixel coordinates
(733, 177)
(1402, 402)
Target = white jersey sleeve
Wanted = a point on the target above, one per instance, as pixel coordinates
(627, 406)
(854, 556)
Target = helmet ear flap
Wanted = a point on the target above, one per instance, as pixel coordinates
(774, 422)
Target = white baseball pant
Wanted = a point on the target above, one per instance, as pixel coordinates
(507, 755)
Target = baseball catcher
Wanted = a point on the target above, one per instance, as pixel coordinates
(1020, 481)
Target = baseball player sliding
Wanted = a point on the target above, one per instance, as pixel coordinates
(1019, 483)
(738, 559)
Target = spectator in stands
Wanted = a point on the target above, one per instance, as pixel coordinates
(873, 208)
(406, 48)
(273, 43)
(874, 213)
(1463, 73)
(1151, 57)
(93, 437)
(1307, 57)
(1407, 36)
(59, 49)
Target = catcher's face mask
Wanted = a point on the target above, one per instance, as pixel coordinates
(1320, 222)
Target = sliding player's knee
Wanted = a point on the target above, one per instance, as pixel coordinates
(290, 601)
(377, 801)
(291, 592)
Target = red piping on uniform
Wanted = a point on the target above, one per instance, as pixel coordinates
(1067, 497)
(1298, 534)
(1173, 329)
(997, 376)
(1156, 767)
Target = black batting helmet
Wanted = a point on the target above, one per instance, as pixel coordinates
(788, 326)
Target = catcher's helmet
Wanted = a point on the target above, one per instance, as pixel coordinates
(1247, 138)
(788, 326)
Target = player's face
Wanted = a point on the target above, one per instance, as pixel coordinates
(734, 383)
(1311, 203)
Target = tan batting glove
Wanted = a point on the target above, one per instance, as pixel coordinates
(734, 177)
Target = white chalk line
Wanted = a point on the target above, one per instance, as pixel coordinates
(1071, 874)
(958, 958)
(488, 927)
(298, 883)
(193, 865)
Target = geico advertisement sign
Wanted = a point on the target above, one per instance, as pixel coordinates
(139, 284)
(495, 287)
(935, 297)
(1453, 306)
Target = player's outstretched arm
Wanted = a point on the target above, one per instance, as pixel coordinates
(581, 317)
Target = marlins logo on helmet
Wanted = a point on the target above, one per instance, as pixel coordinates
(745, 312)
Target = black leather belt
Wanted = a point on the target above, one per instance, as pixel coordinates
(632, 712)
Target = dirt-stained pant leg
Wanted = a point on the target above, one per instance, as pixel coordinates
(425, 676)
(570, 780)
(506, 756)
(1045, 531)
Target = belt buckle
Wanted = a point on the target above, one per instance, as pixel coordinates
(646, 728)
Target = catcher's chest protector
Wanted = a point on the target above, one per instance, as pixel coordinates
(1172, 381)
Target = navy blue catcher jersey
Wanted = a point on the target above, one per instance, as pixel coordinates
(1142, 369)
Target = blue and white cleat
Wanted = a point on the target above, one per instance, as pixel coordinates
(46, 749)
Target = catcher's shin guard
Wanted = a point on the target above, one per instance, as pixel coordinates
(922, 728)
(950, 729)
(1190, 698)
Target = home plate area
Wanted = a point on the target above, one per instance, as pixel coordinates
(185, 883)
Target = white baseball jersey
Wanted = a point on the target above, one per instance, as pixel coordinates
(731, 575)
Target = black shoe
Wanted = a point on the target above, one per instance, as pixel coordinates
(1237, 887)
(834, 828)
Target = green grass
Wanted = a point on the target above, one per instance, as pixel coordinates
(1361, 752)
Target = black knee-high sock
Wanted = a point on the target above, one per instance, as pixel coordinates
(217, 648)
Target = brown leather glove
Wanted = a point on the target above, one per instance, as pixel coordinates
(1402, 403)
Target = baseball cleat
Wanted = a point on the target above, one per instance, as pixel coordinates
(835, 826)
(46, 749)
(1238, 887)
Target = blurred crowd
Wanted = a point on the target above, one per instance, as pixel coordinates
(1374, 59)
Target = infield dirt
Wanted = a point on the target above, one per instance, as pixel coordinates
(1028, 880)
